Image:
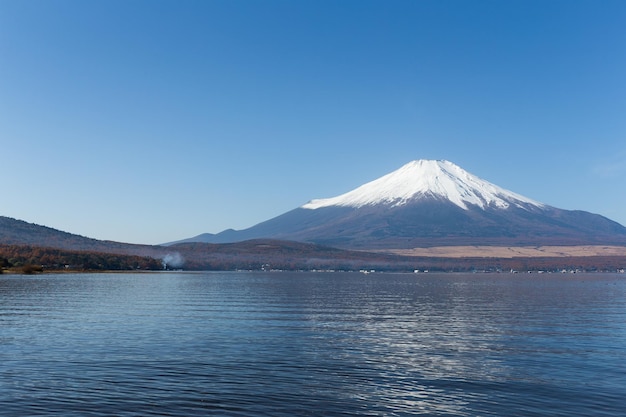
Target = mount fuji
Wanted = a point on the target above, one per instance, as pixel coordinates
(429, 203)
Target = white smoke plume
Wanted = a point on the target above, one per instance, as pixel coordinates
(173, 260)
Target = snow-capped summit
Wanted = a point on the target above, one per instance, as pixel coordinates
(427, 178)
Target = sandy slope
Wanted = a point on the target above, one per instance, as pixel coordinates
(511, 252)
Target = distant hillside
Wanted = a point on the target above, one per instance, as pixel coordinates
(19, 232)
(275, 254)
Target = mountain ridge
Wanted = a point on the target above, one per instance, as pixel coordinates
(19, 232)
(429, 203)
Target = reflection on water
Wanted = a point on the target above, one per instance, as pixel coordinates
(187, 344)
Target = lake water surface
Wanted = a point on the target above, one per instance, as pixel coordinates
(290, 344)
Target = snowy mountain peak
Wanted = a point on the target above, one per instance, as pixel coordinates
(423, 179)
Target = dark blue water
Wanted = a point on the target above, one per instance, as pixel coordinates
(285, 344)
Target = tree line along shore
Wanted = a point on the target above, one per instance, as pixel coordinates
(20, 259)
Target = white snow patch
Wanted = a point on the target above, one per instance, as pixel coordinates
(422, 178)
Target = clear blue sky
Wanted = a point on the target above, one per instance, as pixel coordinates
(152, 121)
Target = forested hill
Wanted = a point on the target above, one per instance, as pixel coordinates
(19, 232)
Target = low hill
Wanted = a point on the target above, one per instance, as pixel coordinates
(275, 254)
(19, 232)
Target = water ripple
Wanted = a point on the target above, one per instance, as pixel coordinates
(249, 344)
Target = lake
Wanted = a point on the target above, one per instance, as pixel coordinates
(291, 344)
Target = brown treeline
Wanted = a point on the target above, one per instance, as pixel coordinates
(36, 259)
(277, 255)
